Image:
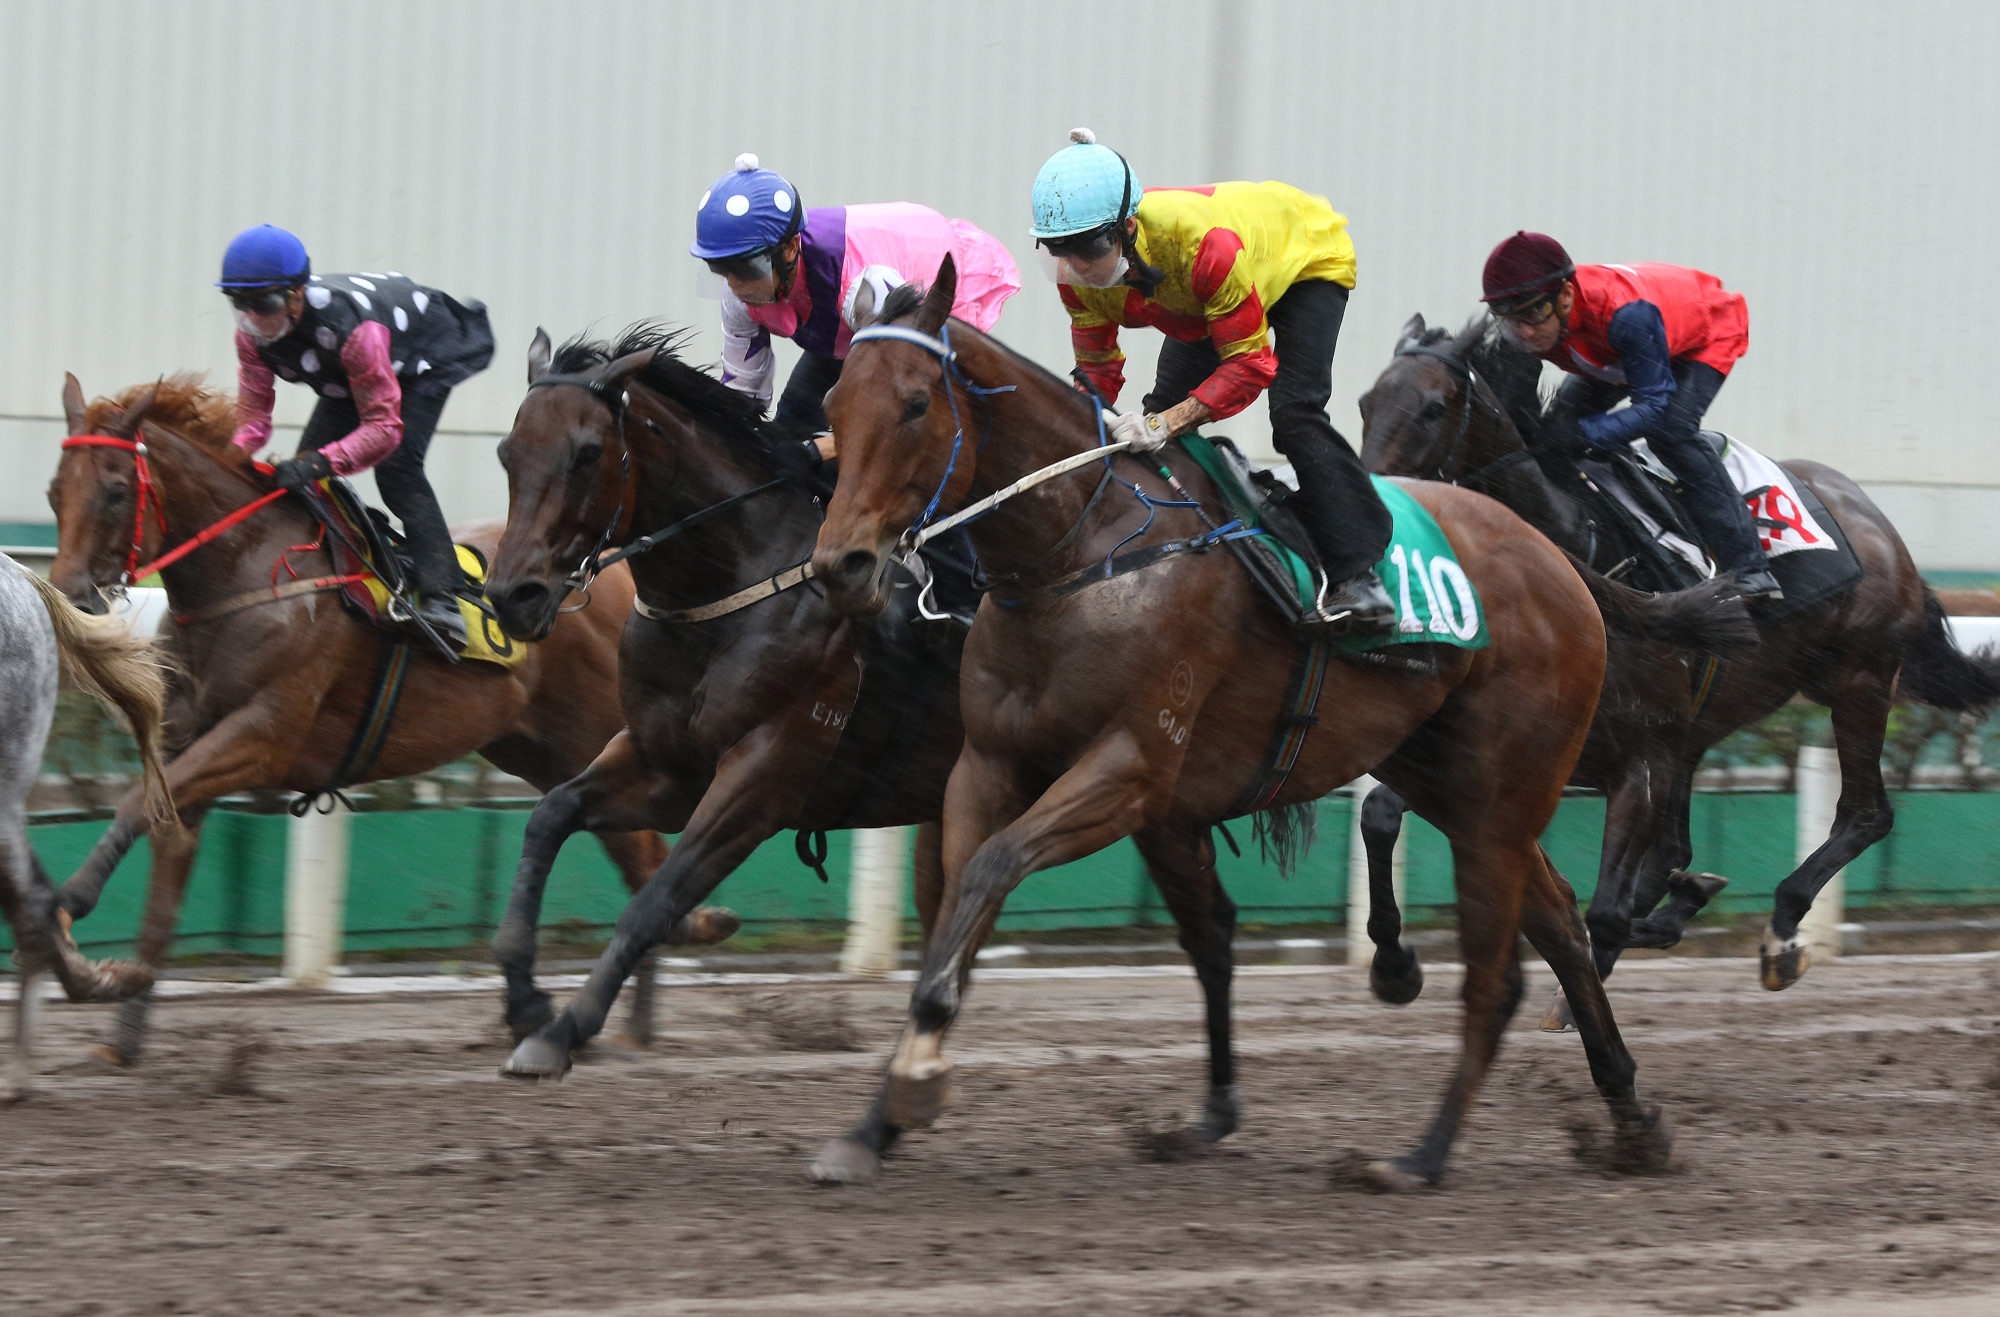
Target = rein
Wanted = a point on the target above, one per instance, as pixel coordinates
(149, 495)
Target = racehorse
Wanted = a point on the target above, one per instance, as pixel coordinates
(277, 677)
(1449, 408)
(42, 636)
(750, 707)
(1142, 705)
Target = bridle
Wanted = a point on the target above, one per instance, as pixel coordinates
(148, 496)
(1465, 371)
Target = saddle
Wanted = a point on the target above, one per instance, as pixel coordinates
(372, 563)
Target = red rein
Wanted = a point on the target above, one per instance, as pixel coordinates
(149, 494)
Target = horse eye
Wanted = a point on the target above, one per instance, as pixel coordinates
(586, 457)
(914, 409)
(1432, 410)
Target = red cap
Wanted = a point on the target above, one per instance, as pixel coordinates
(1526, 263)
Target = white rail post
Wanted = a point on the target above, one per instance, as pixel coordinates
(315, 894)
(875, 902)
(1819, 794)
(1360, 951)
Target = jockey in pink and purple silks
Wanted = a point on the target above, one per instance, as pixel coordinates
(810, 275)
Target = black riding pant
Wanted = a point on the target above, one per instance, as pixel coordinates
(400, 476)
(1720, 516)
(1349, 526)
(802, 406)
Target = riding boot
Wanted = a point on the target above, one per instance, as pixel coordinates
(1351, 596)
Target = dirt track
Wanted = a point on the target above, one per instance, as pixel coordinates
(1840, 1150)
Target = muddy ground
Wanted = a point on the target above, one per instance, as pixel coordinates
(1838, 1152)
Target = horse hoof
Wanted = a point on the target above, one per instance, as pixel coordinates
(843, 1161)
(1781, 962)
(915, 1100)
(711, 924)
(1396, 977)
(1701, 888)
(1644, 1146)
(104, 1054)
(1219, 1116)
(529, 1019)
(537, 1058)
(1559, 1020)
(1395, 1176)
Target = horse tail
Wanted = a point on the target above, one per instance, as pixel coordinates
(104, 658)
(1941, 675)
(1285, 834)
(1709, 618)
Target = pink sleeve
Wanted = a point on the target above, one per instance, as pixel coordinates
(378, 397)
(255, 395)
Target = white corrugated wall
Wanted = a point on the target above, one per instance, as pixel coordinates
(1833, 160)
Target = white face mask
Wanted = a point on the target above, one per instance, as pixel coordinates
(264, 329)
(1058, 270)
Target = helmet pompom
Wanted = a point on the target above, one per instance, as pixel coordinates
(1082, 136)
(746, 162)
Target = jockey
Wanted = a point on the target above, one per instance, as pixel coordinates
(811, 275)
(1216, 269)
(1665, 336)
(383, 354)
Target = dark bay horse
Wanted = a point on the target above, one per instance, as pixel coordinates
(1142, 706)
(1447, 408)
(268, 696)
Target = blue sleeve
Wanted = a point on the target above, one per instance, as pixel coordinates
(1639, 336)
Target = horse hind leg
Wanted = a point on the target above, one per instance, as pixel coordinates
(1394, 974)
(1861, 818)
(1182, 862)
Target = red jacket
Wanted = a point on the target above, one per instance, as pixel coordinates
(1705, 322)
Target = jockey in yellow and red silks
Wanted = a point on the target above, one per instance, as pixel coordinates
(1217, 269)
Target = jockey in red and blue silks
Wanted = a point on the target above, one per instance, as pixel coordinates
(808, 275)
(383, 354)
(1662, 335)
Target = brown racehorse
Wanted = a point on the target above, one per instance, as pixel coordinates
(1142, 706)
(1446, 407)
(269, 694)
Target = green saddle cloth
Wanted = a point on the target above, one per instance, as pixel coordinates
(1435, 601)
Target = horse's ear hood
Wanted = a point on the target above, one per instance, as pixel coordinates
(540, 352)
(936, 308)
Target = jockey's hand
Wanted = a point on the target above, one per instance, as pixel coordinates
(295, 473)
(1144, 433)
(797, 457)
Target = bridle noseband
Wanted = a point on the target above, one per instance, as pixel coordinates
(617, 400)
(1465, 371)
(148, 495)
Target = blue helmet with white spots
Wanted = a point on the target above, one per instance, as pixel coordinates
(1082, 187)
(264, 257)
(746, 210)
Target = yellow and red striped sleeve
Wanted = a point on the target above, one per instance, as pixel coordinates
(1093, 337)
(1236, 326)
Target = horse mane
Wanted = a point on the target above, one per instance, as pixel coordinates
(903, 300)
(184, 404)
(736, 417)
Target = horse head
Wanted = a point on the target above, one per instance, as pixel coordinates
(95, 497)
(902, 451)
(1433, 413)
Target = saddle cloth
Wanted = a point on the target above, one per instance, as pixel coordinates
(1807, 548)
(1435, 600)
(354, 525)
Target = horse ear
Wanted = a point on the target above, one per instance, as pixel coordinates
(540, 353)
(936, 308)
(627, 366)
(73, 404)
(135, 411)
(1413, 332)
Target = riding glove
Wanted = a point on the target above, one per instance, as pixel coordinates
(296, 473)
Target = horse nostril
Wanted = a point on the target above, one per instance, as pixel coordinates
(855, 569)
(527, 596)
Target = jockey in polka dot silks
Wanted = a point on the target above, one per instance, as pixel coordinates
(811, 275)
(383, 354)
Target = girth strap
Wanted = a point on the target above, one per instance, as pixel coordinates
(1297, 718)
(371, 731)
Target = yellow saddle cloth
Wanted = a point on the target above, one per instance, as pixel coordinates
(485, 642)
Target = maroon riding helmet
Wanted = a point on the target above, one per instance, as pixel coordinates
(1524, 269)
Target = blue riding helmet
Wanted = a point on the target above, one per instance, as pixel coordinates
(263, 257)
(1082, 187)
(746, 210)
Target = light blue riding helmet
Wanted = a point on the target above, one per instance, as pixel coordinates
(746, 210)
(1084, 186)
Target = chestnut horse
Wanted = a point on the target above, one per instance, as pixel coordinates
(268, 695)
(1142, 706)
(1447, 407)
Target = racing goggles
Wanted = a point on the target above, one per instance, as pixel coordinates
(747, 268)
(1530, 311)
(1092, 245)
(264, 301)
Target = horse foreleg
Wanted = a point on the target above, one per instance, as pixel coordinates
(1393, 974)
(856, 1156)
(1666, 874)
(1549, 919)
(1182, 861)
(173, 859)
(1632, 821)
(80, 892)
(1861, 818)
